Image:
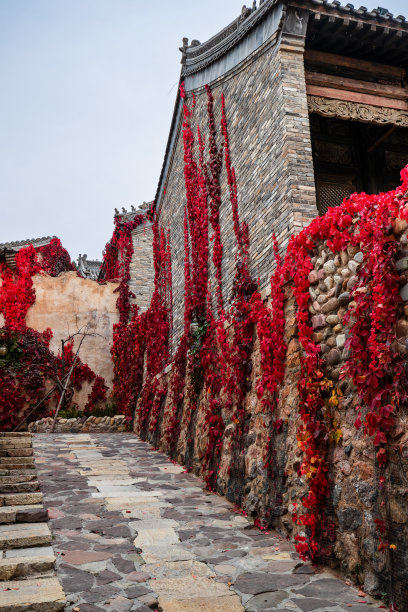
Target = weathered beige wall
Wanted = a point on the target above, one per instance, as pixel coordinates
(67, 303)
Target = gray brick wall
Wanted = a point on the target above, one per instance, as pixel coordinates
(270, 144)
(141, 266)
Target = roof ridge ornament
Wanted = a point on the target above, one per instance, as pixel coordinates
(183, 50)
(245, 13)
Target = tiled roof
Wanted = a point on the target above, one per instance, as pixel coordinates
(198, 55)
(16, 245)
(378, 14)
(89, 268)
(129, 215)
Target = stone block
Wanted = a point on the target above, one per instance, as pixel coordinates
(402, 328)
(332, 319)
(333, 357)
(349, 519)
(404, 292)
(340, 341)
(207, 603)
(24, 534)
(19, 499)
(319, 321)
(399, 226)
(344, 298)
(353, 266)
(7, 515)
(40, 594)
(330, 305)
(330, 267)
(24, 567)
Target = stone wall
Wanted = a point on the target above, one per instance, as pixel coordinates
(266, 108)
(91, 424)
(356, 497)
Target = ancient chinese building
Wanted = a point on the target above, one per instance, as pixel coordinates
(88, 268)
(316, 107)
(316, 97)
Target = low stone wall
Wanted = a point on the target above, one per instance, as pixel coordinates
(266, 480)
(81, 425)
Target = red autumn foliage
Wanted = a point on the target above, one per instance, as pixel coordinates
(27, 370)
(221, 343)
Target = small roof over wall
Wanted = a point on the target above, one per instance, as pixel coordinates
(8, 250)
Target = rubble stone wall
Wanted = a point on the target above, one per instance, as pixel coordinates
(84, 424)
(271, 493)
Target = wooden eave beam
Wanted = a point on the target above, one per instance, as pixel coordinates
(353, 96)
(357, 85)
(329, 33)
(322, 58)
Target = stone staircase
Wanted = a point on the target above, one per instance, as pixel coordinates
(27, 562)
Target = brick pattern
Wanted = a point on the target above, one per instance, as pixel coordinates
(271, 151)
(141, 266)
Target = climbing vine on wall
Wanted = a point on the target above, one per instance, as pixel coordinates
(140, 340)
(212, 368)
(54, 259)
(28, 369)
(374, 365)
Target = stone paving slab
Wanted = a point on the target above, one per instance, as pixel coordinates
(37, 595)
(20, 535)
(135, 532)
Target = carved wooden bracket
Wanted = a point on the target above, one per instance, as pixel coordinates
(356, 111)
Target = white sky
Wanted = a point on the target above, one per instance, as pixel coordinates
(87, 94)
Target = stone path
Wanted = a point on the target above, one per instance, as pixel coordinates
(132, 531)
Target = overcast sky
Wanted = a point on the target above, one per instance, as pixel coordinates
(87, 94)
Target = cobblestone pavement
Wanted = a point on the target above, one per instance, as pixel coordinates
(132, 531)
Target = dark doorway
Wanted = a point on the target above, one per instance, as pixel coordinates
(349, 156)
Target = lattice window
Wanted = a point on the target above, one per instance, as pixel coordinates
(331, 194)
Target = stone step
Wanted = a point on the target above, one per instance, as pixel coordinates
(19, 487)
(16, 452)
(16, 464)
(9, 461)
(28, 469)
(20, 499)
(15, 443)
(35, 595)
(31, 513)
(19, 478)
(15, 434)
(17, 568)
(14, 467)
(19, 535)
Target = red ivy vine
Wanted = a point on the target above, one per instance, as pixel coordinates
(28, 368)
(216, 347)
